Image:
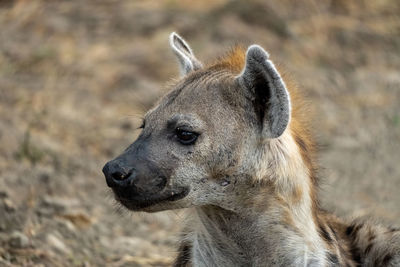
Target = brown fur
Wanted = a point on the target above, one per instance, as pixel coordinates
(233, 60)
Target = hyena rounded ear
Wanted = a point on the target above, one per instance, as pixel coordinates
(187, 61)
(271, 97)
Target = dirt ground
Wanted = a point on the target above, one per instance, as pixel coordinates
(76, 76)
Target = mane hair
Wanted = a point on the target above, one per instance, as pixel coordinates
(233, 60)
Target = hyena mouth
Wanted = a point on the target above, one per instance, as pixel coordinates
(138, 202)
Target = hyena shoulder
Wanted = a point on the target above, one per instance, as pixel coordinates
(373, 244)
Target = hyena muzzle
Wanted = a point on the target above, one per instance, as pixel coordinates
(231, 141)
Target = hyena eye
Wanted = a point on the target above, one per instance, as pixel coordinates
(142, 125)
(186, 137)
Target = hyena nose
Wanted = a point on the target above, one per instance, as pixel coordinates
(116, 175)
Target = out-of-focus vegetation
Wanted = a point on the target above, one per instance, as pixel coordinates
(75, 77)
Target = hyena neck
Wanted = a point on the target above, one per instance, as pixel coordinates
(278, 233)
(280, 218)
(228, 238)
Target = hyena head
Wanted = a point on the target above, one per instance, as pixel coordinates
(211, 139)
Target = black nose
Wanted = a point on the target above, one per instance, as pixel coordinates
(118, 175)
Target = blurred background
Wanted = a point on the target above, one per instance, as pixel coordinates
(76, 77)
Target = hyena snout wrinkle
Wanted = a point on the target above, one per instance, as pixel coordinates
(139, 178)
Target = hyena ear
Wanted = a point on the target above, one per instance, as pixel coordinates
(271, 97)
(187, 61)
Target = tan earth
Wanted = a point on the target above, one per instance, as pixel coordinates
(76, 76)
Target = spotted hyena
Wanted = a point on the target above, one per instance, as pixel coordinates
(231, 142)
